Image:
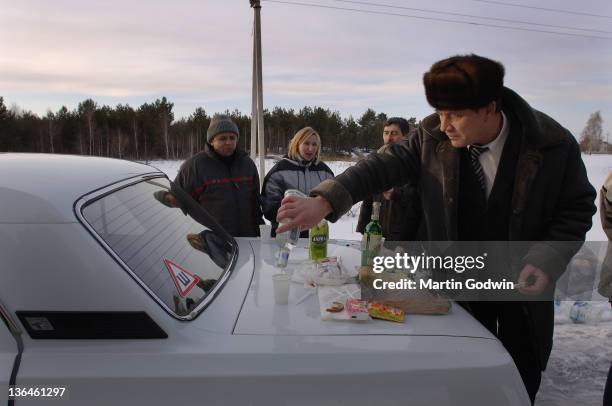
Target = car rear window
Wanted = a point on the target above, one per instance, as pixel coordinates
(174, 257)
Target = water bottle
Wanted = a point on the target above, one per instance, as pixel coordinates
(289, 238)
(282, 257)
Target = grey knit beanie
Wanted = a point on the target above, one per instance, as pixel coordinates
(221, 124)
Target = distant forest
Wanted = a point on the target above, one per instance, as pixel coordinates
(151, 131)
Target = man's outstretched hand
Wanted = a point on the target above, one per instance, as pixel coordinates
(303, 212)
(532, 280)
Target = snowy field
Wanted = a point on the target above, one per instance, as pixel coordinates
(598, 167)
(581, 354)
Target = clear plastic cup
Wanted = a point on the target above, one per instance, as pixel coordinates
(264, 232)
(281, 283)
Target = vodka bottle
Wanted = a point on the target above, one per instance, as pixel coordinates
(372, 237)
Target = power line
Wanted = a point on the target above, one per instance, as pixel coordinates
(365, 3)
(295, 3)
(554, 10)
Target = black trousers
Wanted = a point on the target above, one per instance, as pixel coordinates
(509, 322)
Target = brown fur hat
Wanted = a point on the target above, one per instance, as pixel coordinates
(463, 82)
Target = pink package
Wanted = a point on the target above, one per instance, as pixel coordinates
(357, 309)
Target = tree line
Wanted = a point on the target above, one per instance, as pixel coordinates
(151, 131)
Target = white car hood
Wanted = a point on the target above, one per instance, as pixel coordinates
(259, 314)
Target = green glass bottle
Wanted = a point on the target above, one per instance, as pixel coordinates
(318, 236)
(372, 237)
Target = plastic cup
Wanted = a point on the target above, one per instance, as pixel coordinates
(281, 282)
(264, 232)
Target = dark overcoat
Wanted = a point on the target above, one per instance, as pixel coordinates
(552, 199)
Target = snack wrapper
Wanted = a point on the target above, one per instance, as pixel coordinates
(386, 312)
(327, 272)
(333, 301)
(357, 309)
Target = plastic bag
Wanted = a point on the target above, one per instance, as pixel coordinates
(585, 312)
(329, 271)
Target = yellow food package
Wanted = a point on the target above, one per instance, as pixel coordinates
(386, 312)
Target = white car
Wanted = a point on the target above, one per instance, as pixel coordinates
(104, 293)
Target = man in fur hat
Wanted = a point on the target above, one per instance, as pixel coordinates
(489, 168)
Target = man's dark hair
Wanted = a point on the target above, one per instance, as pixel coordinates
(464, 82)
(401, 122)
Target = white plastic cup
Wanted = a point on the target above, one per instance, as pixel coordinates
(281, 283)
(265, 230)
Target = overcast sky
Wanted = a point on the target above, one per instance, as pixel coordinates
(198, 53)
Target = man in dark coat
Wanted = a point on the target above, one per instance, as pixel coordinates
(489, 168)
(400, 211)
(224, 180)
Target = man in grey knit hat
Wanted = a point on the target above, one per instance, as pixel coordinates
(223, 135)
(224, 180)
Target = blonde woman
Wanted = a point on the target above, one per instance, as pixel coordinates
(300, 169)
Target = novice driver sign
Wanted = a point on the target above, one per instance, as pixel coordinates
(183, 279)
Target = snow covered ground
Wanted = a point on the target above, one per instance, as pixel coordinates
(598, 167)
(342, 229)
(581, 354)
(579, 361)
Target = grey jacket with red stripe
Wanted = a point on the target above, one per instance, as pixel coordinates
(228, 188)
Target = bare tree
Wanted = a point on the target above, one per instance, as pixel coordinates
(50, 117)
(164, 109)
(135, 129)
(591, 138)
(87, 109)
(119, 143)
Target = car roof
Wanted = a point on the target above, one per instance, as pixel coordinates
(42, 188)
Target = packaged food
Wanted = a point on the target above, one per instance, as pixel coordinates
(336, 307)
(333, 299)
(330, 264)
(386, 312)
(411, 301)
(331, 272)
(357, 309)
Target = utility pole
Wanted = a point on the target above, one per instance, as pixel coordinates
(254, 101)
(257, 122)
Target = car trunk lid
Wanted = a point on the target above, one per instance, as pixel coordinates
(259, 314)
